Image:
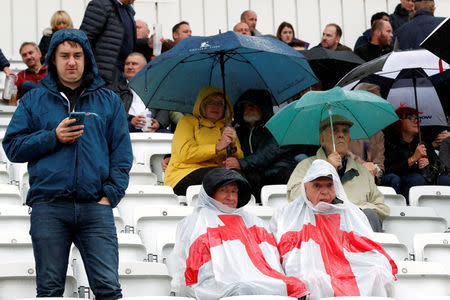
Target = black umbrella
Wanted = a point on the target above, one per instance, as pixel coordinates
(438, 41)
(330, 66)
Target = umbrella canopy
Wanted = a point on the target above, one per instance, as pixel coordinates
(408, 78)
(298, 122)
(329, 66)
(437, 41)
(172, 80)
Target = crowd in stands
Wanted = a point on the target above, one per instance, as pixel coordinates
(237, 159)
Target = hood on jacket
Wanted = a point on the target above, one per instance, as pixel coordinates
(260, 98)
(205, 92)
(90, 69)
(218, 177)
(399, 10)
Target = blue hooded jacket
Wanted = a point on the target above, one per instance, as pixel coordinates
(97, 164)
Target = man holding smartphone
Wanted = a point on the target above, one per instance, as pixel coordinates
(78, 173)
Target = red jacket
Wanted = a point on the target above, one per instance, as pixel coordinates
(29, 75)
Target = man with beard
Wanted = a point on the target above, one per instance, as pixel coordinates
(379, 43)
(29, 78)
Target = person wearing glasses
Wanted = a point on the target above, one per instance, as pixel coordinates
(407, 162)
(201, 140)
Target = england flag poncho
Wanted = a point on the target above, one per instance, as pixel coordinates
(222, 252)
(330, 247)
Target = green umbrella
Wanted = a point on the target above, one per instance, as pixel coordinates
(298, 122)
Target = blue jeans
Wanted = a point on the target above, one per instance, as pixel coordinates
(90, 226)
(402, 184)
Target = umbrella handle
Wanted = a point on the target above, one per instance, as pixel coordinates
(330, 113)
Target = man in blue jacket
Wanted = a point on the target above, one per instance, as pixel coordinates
(77, 174)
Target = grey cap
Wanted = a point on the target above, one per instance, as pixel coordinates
(337, 119)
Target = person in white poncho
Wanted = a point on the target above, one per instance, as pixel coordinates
(221, 250)
(326, 241)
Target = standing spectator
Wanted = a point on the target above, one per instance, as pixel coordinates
(379, 42)
(407, 162)
(77, 173)
(367, 35)
(249, 17)
(286, 33)
(401, 14)
(181, 31)
(4, 65)
(330, 38)
(29, 78)
(423, 22)
(142, 30)
(242, 28)
(59, 20)
(110, 27)
(134, 107)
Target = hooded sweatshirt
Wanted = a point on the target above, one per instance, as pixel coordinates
(97, 163)
(194, 142)
(221, 251)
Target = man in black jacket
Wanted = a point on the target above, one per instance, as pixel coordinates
(401, 14)
(379, 42)
(111, 29)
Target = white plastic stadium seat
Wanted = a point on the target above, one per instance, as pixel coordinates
(10, 195)
(118, 221)
(131, 248)
(146, 144)
(436, 196)
(405, 221)
(141, 175)
(192, 196)
(14, 218)
(433, 247)
(390, 243)
(391, 198)
(264, 212)
(155, 220)
(144, 279)
(4, 173)
(165, 241)
(274, 195)
(18, 280)
(258, 297)
(144, 195)
(16, 247)
(421, 279)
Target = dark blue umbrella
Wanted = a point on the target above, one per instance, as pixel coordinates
(231, 61)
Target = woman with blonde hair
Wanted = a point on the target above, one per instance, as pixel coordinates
(60, 20)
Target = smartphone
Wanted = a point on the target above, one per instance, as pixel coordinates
(78, 116)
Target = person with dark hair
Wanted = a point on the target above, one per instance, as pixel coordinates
(249, 17)
(298, 45)
(111, 29)
(201, 140)
(408, 163)
(78, 173)
(401, 14)
(286, 33)
(410, 35)
(180, 31)
(330, 38)
(264, 162)
(221, 250)
(29, 78)
(366, 36)
(379, 42)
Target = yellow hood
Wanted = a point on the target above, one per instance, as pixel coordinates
(205, 92)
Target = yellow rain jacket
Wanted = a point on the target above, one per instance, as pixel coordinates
(194, 142)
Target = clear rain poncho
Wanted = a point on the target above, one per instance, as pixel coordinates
(330, 247)
(220, 252)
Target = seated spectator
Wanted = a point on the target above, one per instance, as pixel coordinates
(250, 18)
(59, 20)
(4, 65)
(326, 241)
(407, 162)
(264, 162)
(242, 28)
(142, 30)
(201, 140)
(221, 250)
(298, 45)
(29, 79)
(286, 33)
(133, 104)
(367, 35)
(180, 31)
(358, 182)
(331, 37)
(379, 42)
(370, 152)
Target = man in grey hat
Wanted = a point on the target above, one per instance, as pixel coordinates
(358, 182)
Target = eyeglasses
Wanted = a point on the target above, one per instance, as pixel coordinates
(214, 103)
(411, 118)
